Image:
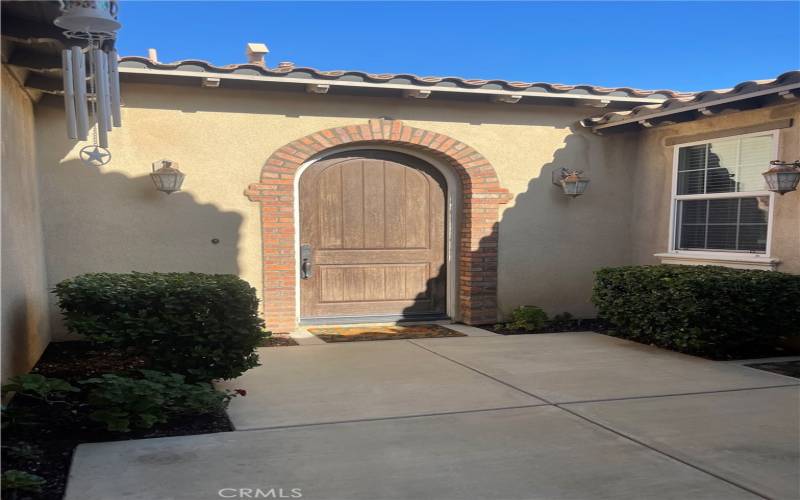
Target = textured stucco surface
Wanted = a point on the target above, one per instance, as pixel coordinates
(652, 184)
(111, 218)
(25, 320)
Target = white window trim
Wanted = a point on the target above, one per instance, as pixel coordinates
(674, 254)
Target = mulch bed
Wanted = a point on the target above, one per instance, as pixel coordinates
(392, 332)
(574, 325)
(278, 340)
(40, 439)
(788, 368)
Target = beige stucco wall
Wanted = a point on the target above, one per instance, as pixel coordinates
(25, 328)
(112, 219)
(653, 183)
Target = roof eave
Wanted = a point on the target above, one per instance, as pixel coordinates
(591, 100)
(751, 100)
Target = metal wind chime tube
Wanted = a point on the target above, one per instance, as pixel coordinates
(78, 62)
(101, 98)
(113, 75)
(107, 86)
(69, 94)
(95, 23)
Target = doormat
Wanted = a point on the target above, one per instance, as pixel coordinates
(388, 332)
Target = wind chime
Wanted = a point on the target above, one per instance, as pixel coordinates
(91, 77)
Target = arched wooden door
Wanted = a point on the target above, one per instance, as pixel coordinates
(372, 238)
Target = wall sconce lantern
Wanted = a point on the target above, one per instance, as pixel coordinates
(572, 182)
(783, 176)
(166, 176)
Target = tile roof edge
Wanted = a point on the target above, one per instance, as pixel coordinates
(707, 96)
(422, 81)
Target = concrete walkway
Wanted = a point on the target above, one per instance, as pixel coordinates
(554, 416)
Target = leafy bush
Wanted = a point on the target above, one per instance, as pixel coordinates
(563, 320)
(23, 451)
(124, 402)
(17, 480)
(204, 326)
(38, 386)
(527, 318)
(705, 310)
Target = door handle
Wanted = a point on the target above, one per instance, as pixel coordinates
(305, 261)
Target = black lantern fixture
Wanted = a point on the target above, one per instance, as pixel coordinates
(166, 176)
(783, 176)
(571, 181)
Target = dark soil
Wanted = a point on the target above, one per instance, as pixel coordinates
(789, 368)
(572, 325)
(278, 341)
(601, 326)
(40, 438)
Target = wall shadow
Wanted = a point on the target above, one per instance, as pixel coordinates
(101, 221)
(550, 244)
(23, 336)
(547, 244)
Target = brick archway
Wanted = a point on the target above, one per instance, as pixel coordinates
(482, 197)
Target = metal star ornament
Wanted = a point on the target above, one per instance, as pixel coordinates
(95, 156)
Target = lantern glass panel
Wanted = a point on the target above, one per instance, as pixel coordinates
(574, 187)
(167, 179)
(782, 182)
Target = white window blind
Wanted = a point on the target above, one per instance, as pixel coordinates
(721, 202)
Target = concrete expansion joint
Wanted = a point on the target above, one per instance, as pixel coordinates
(397, 417)
(659, 451)
(625, 398)
(563, 407)
(657, 396)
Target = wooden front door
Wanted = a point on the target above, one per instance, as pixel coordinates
(372, 237)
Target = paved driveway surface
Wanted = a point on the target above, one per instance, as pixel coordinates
(555, 416)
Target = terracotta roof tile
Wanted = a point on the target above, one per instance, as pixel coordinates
(404, 78)
(677, 103)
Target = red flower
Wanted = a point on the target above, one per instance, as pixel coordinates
(241, 392)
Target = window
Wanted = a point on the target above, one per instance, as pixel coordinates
(720, 200)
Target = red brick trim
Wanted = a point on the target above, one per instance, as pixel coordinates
(481, 190)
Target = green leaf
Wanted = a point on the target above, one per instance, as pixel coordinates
(17, 480)
(706, 310)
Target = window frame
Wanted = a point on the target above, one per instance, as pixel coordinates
(675, 198)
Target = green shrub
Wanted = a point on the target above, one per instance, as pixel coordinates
(204, 326)
(17, 480)
(23, 451)
(124, 402)
(704, 310)
(38, 386)
(562, 320)
(527, 318)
